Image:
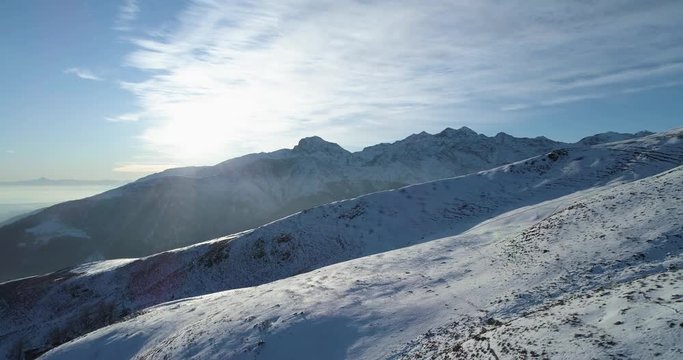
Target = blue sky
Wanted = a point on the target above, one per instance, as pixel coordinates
(116, 89)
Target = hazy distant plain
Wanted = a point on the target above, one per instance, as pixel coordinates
(19, 199)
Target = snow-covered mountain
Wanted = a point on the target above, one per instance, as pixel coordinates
(593, 273)
(611, 136)
(184, 206)
(41, 312)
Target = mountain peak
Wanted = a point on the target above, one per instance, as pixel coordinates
(316, 144)
(418, 136)
(462, 132)
(643, 133)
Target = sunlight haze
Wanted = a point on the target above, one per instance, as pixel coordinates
(120, 89)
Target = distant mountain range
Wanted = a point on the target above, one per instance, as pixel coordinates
(63, 182)
(470, 253)
(183, 206)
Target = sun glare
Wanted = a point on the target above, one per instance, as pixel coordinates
(207, 126)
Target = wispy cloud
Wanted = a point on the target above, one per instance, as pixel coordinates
(592, 95)
(233, 76)
(9, 151)
(128, 12)
(124, 117)
(83, 74)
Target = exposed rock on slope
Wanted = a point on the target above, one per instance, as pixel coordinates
(322, 236)
(184, 206)
(597, 266)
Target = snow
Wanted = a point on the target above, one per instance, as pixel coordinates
(97, 267)
(638, 319)
(184, 206)
(611, 136)
(48, 230)
(385, 270)
(570, 264)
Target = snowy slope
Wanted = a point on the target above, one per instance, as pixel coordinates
(637, 319)
(589, 274)
(611, 136)
(179, 207)
(75, 301)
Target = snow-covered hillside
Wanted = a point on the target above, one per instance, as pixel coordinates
(40, 312)
(611, 136)
(184, 206)
(591, 274)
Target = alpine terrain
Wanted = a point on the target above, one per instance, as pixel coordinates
(183, 206)
(575, 252)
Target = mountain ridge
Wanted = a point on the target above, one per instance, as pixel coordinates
(443, 296)
(333, 233)
(181, 206)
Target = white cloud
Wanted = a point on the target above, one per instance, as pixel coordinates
(236, 77)
(124, 117)
(591, 96)
(515, 107)
(128, 12)
(10, 151)
(83, 74)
